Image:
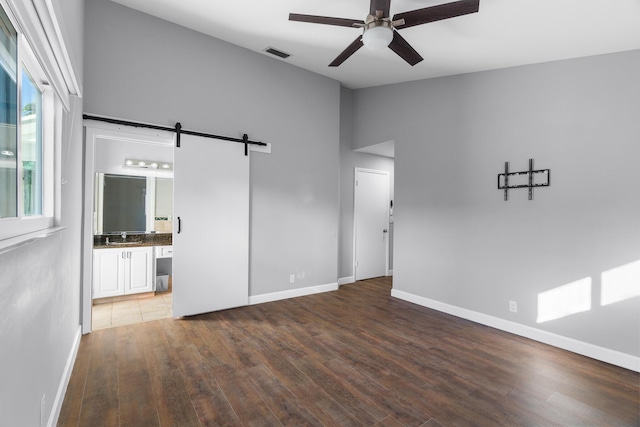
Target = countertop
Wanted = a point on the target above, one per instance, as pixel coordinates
(132, 240)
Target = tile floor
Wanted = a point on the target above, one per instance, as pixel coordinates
(127, 312)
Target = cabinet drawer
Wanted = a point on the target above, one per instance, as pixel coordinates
(164, 251)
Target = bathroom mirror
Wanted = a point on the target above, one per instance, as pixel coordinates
(135, 204)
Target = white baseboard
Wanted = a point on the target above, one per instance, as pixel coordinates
(613, 357)
(389, 272)
(346, 280)
(300, 292)
(64, 381)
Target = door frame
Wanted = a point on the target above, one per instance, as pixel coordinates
(387, 174)
(95, 130)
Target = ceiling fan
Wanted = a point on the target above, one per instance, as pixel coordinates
(380, 31)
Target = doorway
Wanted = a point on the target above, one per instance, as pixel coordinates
(108, 150)
(371, 223)
(210, 231)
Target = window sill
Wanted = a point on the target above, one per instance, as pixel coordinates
(12, 243)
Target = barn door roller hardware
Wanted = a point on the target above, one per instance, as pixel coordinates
(525, 179)
(178, 130)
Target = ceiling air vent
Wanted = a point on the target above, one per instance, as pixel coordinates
(278, 53)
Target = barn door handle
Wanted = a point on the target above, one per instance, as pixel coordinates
(385, 230)
(179, 225)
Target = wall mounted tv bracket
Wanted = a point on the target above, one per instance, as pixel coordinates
(525, 179)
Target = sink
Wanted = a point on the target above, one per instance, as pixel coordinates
(122, 243)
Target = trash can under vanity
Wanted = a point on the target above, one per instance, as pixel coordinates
(162, 283)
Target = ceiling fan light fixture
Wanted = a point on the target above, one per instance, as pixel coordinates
(377, 36)
(380, 29)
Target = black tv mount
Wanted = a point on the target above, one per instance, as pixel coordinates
(536, 178)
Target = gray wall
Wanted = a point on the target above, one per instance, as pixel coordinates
(40, 283)
(142, 68)
(349, 160)
(459, 243)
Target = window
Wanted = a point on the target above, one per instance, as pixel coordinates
(8, 119)
(26, 137)
(31, 146)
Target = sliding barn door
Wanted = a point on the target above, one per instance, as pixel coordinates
(211, 226)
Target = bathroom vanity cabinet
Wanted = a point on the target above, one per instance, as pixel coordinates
(122, 271)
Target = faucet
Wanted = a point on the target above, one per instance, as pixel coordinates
(107, 242)
(124, 235)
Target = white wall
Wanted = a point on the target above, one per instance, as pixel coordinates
(110, 156)
(458, 243)
(349, 160)
(40, 283)
(141, 68)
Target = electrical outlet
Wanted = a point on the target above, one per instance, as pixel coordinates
(292, 278)
(513, 306)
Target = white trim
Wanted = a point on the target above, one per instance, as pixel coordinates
(32, 20)
(346, 280)
(389, 272)
(64, 381)
(59, 116)
(87, 229)
(56, 41)
(292, 293)
(15, 242)
(613, 357)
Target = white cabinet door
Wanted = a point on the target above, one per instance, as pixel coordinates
(122, 271)
(138, 270)
(108, 273)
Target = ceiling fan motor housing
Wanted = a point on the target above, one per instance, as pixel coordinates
(378, 33)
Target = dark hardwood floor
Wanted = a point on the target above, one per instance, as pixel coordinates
(352, 357)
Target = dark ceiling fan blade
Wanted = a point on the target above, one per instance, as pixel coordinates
(382, 5)
(350, 50)
(437, 13)
(341, 22)
(404, 50)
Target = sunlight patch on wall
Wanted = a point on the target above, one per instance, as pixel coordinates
(565, 300)
(620, 283)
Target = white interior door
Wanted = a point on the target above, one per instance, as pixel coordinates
(371, 223)
(211, 226)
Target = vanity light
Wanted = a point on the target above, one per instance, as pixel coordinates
(147, 164)
(7, 153)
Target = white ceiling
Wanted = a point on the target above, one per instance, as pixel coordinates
(504, 33)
